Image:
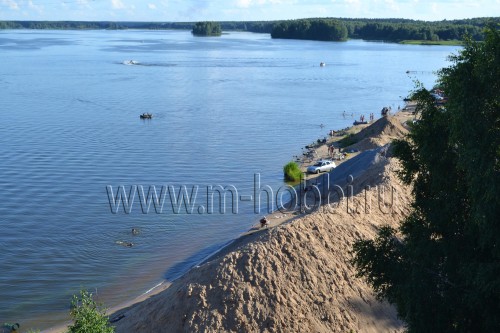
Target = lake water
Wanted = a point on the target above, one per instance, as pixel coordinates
(224, 109)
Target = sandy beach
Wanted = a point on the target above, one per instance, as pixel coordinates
(295, 274)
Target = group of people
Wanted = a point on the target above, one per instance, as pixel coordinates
(362, 117)
(335, 154)
(345, 114)
(385, 111)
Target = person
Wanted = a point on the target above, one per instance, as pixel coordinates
(264, 222)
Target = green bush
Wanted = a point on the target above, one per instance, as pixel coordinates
(292, 172)
(88, 316)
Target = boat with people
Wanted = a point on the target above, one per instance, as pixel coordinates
(146, 116)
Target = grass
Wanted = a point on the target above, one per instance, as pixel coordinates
(432, 42)
(348, 140)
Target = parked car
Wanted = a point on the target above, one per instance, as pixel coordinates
(322, 166)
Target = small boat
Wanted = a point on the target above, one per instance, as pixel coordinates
(322, 64)
(146, 116)
(359, 123)
(131, 62)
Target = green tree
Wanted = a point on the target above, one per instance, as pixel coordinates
(441, 266)
(88, 316)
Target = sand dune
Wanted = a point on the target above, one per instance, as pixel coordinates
(380, 133)
(296, 277)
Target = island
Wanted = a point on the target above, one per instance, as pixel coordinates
(207, 28)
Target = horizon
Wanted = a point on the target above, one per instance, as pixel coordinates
(242, 10)
(222, 21)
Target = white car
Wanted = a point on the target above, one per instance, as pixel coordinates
(322, 166)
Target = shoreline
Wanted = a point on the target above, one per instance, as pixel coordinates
(276, 219)
(205, 297)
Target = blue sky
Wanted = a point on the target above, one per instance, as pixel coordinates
(195, 10)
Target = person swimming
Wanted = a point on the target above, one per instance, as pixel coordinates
(126, 244)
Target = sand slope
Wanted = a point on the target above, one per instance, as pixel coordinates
(380, 133)
(293, 278)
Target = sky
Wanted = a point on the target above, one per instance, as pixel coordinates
(241, 10)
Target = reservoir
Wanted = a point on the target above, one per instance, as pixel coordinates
(225, 109)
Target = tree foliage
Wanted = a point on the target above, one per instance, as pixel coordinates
(207, 29)
(88, 317)
(441, 266)
(292, 172)
(398, 30)
(314, 29)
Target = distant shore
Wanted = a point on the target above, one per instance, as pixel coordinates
(445, 32)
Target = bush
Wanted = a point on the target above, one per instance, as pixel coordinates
(292, 172)
(88, 316)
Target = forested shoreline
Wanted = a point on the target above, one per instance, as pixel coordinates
(394, 30)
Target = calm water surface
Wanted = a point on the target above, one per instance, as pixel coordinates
(224, 109)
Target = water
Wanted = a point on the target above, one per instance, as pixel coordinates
(224, 109)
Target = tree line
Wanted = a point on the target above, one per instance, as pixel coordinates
(314, 28)
(398, 30)
(395, 30)
(62, 25)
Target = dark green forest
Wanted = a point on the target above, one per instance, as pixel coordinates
(207, 29)
(315, 29)
(394, 30)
